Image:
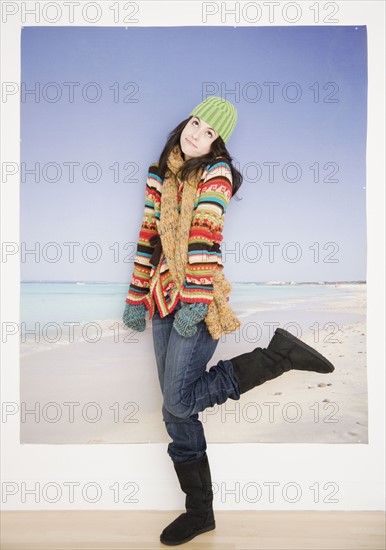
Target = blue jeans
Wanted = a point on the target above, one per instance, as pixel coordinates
(186, 386)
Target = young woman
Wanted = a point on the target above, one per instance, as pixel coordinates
(178, 277)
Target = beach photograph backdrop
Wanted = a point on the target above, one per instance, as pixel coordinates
(97, 105)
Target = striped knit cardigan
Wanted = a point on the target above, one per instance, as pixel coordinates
(190, 229)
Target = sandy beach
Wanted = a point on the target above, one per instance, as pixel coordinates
(100, 385)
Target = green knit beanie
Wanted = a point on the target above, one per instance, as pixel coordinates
(220, 114)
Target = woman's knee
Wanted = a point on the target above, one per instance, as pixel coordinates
(177, 409)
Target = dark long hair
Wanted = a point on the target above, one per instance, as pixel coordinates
(192, 165)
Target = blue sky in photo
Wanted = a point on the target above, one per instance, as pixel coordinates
(300, 142)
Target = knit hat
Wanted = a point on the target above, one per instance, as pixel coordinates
(219, 113)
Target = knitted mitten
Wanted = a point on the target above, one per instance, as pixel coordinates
(134, 317)
(188, 316)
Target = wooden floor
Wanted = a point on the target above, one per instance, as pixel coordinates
(97, 530)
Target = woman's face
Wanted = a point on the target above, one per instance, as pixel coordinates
(197, 138)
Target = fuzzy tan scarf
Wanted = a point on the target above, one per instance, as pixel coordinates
(174, 229)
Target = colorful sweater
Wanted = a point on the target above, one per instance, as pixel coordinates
(213, 194)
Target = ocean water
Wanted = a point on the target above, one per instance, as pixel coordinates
(50, 302)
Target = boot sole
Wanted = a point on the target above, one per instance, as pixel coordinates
(187, 539)
(289, 336)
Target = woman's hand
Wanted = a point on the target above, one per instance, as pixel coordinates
(188, 316)
(134, 317)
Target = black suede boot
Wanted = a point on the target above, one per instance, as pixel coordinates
(195, 481)
(284, 352)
